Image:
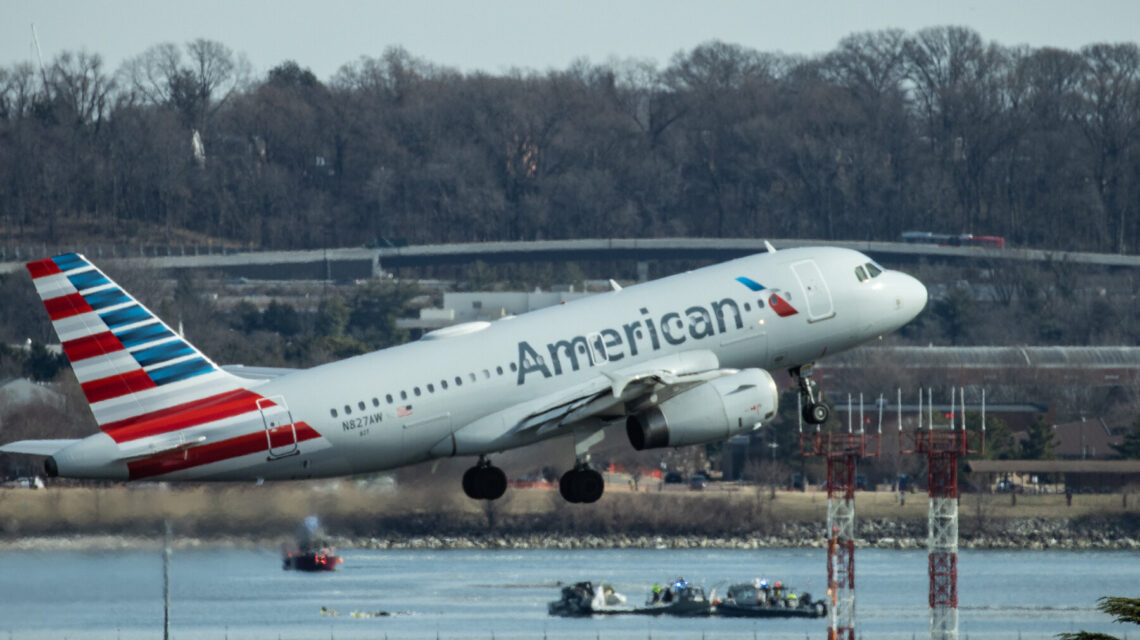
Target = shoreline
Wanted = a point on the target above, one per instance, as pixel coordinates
(262, 517)
(1028, 535)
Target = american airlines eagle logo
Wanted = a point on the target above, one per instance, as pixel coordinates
(777, 302)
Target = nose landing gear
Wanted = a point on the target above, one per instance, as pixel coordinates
(814, 411)
(484, 481)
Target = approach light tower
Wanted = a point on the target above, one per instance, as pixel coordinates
(943, 446)
(842, 451)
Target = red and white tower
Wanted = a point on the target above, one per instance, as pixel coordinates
(943, 446)
(842, 451)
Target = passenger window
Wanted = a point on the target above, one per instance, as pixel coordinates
(759, 304)
(332, 412)
(458, 381)
(486, 374)
(416, 390)
(376, 402)
(861, 273)
(514, 367)
(873, 270)
(431, 388)
(388, 398)
(472, 376)
(360, 405)
(347, 410)
(499, 370)
(403, 395)
(747, 307)
(443, 384)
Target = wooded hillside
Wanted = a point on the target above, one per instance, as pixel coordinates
(937, 130)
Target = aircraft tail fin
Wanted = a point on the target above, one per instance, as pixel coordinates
(131, 366)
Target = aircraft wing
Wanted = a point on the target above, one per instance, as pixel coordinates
(37, 447)
(609, 394)
(641, 387)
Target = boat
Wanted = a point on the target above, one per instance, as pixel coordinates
(310, 560)
(583, 599)
(677, 599)
(761, 600)
(312, 551)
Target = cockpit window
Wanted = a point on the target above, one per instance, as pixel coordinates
(874, 269)
(861, 273)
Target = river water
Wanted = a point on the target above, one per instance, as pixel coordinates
(227, 593)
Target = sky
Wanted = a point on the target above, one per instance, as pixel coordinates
(496, 36)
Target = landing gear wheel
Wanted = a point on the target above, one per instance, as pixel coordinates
(581, 485)
(565, 487)
(816, 413)
(494, 483)
(588, 486)
(470, 483)
(484, 481)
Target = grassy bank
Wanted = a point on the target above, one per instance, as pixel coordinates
(212, 511)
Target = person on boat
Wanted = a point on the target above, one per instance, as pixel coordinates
(656, 593)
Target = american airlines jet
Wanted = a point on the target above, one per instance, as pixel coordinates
(678, 361)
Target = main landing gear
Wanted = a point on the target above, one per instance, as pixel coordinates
(814, 411)
(581, 484)
(484, 481)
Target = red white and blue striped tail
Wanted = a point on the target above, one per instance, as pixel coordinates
(132, 367)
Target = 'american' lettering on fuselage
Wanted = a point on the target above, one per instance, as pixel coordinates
(610, 344)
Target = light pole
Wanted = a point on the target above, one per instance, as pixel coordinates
(773, 446)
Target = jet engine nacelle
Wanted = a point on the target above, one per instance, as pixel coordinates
(713, 411)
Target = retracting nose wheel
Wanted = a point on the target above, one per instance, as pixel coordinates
(581, 485)
(484, 481)
(814, 411)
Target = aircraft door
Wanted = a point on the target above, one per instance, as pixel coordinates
(280, 432)
(817, 297)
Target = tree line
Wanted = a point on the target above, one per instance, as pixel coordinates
(937, 130)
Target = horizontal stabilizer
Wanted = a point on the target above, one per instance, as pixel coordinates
(37, 447)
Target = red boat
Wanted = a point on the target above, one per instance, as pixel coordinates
(312, 551)
(320, 560)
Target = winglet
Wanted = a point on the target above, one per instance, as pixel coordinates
(614, 285)
(768, 247)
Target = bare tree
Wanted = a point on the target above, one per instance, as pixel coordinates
(210, 76)
(1110, 120)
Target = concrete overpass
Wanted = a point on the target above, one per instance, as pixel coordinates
(348, 263)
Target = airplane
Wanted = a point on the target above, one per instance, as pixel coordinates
(678, 361)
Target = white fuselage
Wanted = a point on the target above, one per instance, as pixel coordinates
(497, 366)
(412, 402)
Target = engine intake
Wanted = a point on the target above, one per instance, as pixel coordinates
(710, 412)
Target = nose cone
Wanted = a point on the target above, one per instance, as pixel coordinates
(911, 296)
